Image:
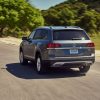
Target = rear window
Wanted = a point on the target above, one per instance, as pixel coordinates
(69, 35)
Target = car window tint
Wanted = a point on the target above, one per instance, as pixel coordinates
(70, 35)
(31, 35)
(41, 34)
(44, 34)
(37, 34)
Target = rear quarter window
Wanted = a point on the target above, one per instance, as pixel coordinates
(70, 35)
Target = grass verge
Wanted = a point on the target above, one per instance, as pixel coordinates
(96, 40)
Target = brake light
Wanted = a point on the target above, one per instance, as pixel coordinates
(91, 44)
(53, 45)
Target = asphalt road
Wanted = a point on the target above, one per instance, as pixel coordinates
(23, 83)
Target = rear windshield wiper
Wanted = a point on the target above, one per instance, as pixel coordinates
(76, 38)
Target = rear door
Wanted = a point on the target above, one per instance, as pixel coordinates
(27, 45)
(74, 43)
(39, 40)
(34, 42)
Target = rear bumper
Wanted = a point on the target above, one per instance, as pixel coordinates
(70, 61)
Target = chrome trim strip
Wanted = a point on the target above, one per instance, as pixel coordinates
(71, 48)
(80, 57)
(72, 62)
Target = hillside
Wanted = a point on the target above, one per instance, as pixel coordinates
(83, 13)
(92, 4)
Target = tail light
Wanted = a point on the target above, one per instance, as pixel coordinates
(53, 45)
(91, 44)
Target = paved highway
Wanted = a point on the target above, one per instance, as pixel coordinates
(23, 83)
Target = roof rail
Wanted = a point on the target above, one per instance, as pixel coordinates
(57, 27)
(72, 26)
(50, 27)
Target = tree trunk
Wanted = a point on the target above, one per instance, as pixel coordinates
(1, 31)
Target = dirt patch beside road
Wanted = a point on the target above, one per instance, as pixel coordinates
(11, 40)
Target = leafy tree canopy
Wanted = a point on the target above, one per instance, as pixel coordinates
(18, 15)
(82, 13)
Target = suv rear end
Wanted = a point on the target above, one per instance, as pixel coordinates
(71, 47)
(58, 46)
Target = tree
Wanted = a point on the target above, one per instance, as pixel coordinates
(89, 21)
(18, 15)
(86, 0)
(59, 16)
(66, 17)
(72, 1)
(82, 13)
(97, 15)
(51, 17)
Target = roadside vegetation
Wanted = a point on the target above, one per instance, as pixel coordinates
(19, 17)
(81, 13)
(96, 40)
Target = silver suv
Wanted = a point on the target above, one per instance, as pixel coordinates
(58, 46)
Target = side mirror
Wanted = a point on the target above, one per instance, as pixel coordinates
(24, 38)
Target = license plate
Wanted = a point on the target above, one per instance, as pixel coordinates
(73, 51)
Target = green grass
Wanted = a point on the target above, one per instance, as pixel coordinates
(96, 40)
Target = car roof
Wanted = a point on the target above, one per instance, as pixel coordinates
(61, 27)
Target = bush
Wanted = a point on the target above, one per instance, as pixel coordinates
(20, 14)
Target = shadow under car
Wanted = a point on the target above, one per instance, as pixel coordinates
(28, 72)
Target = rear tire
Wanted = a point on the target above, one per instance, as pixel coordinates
(39, 65)
(23, 61)
(84, 69)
